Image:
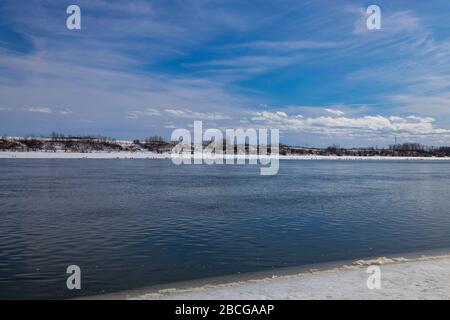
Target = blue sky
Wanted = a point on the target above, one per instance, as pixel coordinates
(310, 68)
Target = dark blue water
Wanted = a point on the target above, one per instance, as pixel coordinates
(135, 223)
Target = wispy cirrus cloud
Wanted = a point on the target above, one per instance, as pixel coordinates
(223, 61)
(335, 112)
(40, 110)
(150, 112)
(292, 45)
(66, 111)
(392, 22)
(189, 114)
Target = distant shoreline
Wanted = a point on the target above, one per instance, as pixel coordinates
(157, 147)
(153, 155)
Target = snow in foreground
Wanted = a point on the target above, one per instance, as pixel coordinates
(421, 278)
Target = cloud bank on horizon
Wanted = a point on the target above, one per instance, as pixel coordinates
(310, 68)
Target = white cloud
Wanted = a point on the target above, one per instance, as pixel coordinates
(189, 114)
(40, 110)
(360, 126)
(66, 112)
(281, 114)
(150, 112)
(335, 112)
(169, 126)
(133, 115)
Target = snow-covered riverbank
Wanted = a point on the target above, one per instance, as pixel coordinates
(425, 277)
(152, 155)
(79, 155)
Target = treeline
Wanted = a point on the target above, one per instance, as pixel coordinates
(59, 142)
(399, 150)
(154, 144)
(55, 143)
(89, 143)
